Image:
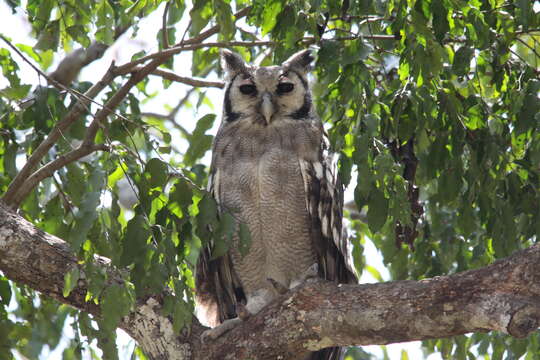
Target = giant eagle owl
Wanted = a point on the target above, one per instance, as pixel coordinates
(272, 169)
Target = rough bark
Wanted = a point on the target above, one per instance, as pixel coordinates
(504, 296)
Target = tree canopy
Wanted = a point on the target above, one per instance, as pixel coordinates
(432, 105)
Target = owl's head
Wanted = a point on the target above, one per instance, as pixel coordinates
(268, 93)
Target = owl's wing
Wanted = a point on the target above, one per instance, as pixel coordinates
(218, 288)
(324, 201)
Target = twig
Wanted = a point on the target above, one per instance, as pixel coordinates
(518, 56)
(348, 18)
(528, 46)
(527, 31)
(170, 116)
(70, 67)
(23, 184)
(187, 80)
(54, 82)
(42, 149)
(197, 82)
(164, 31)
(48, 169)
(128, 67)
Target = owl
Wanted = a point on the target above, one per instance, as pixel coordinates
(272, 171)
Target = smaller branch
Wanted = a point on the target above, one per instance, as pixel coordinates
(49, 169)
(518, 56)
(527, 31)
(187, 80)
(128, 67)
(70, 67)
(197, 82)
(366, 18)
(54, 82)
(528, 46)
(181, 46)
(213, 30)
(55, 134)
(369, 37)
(164, 31)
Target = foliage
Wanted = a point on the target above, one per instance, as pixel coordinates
(432, 105)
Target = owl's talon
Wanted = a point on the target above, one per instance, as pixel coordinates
(278, 286)
(311, 272)
(242, 311)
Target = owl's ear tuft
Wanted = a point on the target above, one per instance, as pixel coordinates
(232, 63)
(300, 61)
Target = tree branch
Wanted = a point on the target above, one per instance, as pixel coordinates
(164, 31)
(187, 80)
(48, 169)
(73, 115)
(196, 82)
(70, 67)
(504, 296)
(13, 197)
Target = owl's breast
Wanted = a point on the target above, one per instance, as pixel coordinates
(265, 188)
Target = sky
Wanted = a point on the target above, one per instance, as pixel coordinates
(16, 28)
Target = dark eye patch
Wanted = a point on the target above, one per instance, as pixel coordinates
(248, 89)
(285, 87)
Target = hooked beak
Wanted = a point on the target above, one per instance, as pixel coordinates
(267, 107)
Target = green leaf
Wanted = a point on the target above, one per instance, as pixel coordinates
(374, 272)
(200, 14)
(105, 22)
(49, 38)
(5, 291)
(176, 10)
(462, 60)
(199, 142)
(29, 51)
(80, 34)
(180, 198)
(377, 210)
(440, 21)
(207, 211)
(224, 17)
(135, 241)
(224, 235)
(70, 280)
(158, 172)
(115, 303)
(182, 315)
(356, 50)
(270, 14)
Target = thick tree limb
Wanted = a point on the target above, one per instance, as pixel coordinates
(504, 296)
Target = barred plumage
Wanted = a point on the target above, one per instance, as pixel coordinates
(272, 168)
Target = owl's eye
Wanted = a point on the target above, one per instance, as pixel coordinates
(285, 87)
(248, 89)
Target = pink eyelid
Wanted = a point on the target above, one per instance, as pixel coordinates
(246, 82)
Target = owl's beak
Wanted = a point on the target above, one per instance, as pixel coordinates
(267, 108)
